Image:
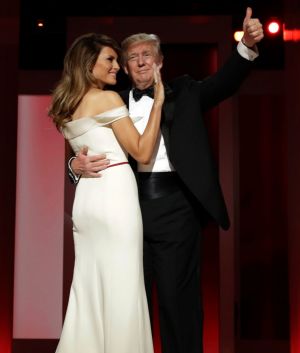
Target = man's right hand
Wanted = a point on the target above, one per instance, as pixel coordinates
(89, 166)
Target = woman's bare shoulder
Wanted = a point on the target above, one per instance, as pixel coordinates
(97, 101)
(105, 97)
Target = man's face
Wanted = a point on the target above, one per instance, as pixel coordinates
(139, 67)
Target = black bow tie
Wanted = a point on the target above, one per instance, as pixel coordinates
(138, 93)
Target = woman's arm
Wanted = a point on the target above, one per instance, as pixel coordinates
(141, 147)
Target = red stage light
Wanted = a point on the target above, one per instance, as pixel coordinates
(273, 27)
(291, 35)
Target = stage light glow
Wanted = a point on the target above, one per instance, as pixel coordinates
(40, 23)
(291, 35)
(273, 27)
(238, 35)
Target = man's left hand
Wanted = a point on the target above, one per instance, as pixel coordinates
(253, 29)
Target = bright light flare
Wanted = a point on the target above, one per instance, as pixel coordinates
(273, 27)
(238, 35)
(40, 23)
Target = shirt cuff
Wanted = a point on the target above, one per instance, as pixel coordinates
(73, 176)
(247, 53)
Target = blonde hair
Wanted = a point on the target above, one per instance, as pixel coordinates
(139, 38)
(77, 76)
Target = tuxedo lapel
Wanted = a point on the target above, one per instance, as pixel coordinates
(167, 116)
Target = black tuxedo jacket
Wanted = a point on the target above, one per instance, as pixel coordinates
(186, 136)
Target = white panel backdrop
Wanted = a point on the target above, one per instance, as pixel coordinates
(39, 222)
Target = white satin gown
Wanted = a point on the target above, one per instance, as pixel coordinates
(107, 309)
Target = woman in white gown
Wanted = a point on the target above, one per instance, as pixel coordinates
(107, 310)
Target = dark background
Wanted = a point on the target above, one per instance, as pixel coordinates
(44, 48)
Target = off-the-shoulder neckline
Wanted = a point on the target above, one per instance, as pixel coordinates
(96, 116)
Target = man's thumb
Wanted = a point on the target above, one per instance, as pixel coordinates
(248, 14)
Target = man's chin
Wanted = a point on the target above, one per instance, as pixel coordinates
(144, 81)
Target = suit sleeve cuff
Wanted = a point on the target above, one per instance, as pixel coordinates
(247, 53)
(74, 178)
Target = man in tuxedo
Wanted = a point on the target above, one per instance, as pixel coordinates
(179, 189)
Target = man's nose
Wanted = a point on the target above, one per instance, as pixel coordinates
(141, 60)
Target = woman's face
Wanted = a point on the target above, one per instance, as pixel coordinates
(106, 67)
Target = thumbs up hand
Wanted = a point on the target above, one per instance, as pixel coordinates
(253, 29)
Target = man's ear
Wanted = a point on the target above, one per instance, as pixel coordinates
(160, 63)
(125, 70)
